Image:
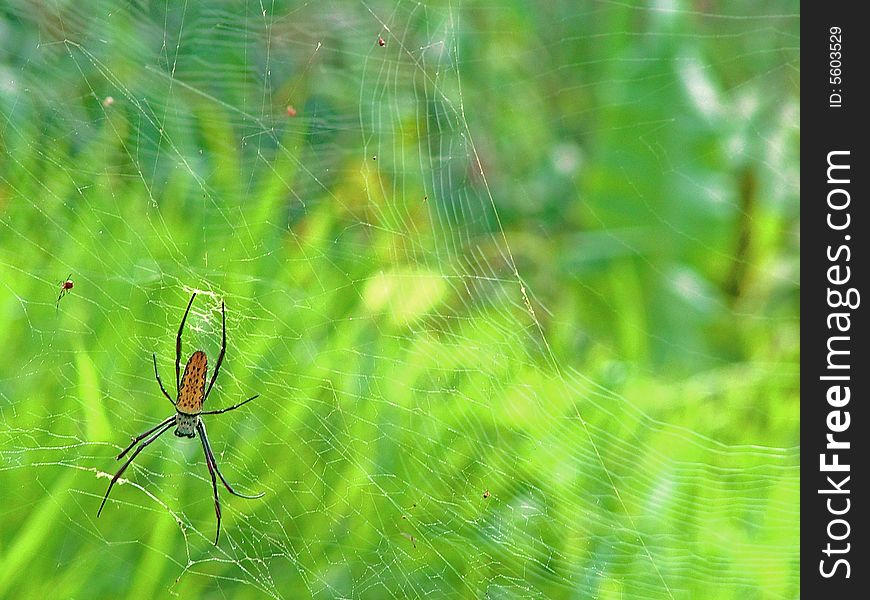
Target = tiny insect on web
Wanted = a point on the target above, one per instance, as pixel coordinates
(192, 393)
(65, 286)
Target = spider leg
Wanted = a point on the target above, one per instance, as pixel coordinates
(144, 435)
(178, 345)
(220, 359)
(229, 408)
(123, 468)
(157, 375)
(210, 455)
(217, 502)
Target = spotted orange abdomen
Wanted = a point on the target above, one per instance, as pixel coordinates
(192, 390)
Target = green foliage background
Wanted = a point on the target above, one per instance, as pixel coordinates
(510, 251)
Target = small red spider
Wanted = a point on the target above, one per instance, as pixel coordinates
(291, 111)
(65, 287)
(381, 42)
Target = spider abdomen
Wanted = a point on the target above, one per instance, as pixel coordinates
(192, 389)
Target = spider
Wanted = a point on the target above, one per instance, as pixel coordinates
(192, 393)
(65, 286)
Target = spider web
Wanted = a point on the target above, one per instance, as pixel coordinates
(517, 289)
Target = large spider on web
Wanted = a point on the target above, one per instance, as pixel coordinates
(192, 393)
